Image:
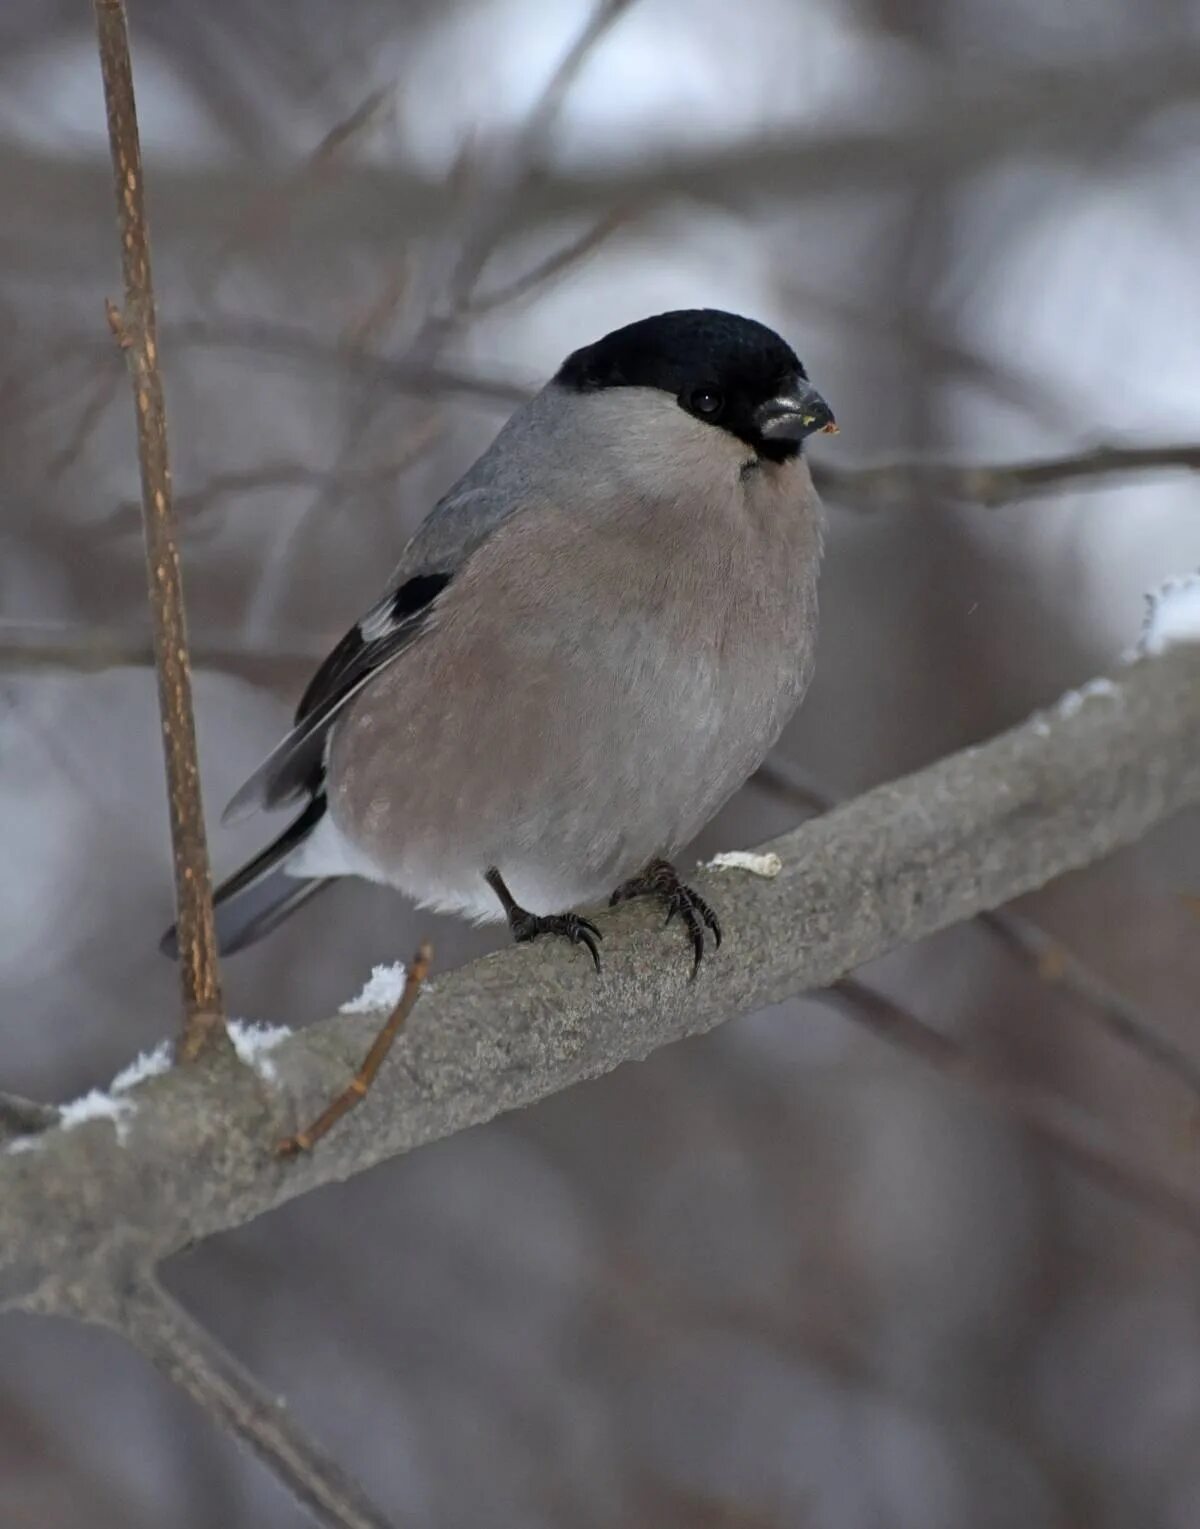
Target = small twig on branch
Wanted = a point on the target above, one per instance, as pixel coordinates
(891, 484)
(1037, 951)
(359, 1086)
(192, 1358)
(1065, 1133)
(203, 1022)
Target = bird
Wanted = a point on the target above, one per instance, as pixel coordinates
(592, 640)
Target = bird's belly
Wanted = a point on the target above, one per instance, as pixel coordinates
(568, 777)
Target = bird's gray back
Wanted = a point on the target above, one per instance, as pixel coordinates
(509, 473)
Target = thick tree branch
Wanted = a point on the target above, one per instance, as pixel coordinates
(969, 833)
(203, 1022)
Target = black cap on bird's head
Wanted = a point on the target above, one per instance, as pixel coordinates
(728, 371)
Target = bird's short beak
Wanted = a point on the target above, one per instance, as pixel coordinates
(793, 415)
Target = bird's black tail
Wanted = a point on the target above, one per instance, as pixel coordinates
(258, 897)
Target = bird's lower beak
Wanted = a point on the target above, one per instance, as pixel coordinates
(794, 415)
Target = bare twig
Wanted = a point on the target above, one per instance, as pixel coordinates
(896, 483)
(534, 138)
(910, 858)
(1064, 1132)
(553, 265)
(192, 1358)
(87, 649)
(203, 1023)
(270, 209)
(1055, 964)
(420, 378)
(966, 117)
(935, 344)
(457, 260)
(275, 475)
(489, 214)
(1037, 951)
(100, 395)
(359, 1086)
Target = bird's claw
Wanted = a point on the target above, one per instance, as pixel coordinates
(571, 926)
(660, 879)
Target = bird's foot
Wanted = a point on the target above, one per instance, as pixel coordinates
(660, 879)
(580, 931)
(527, 926)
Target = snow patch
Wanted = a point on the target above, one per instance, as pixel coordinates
(1074, 700)
(383, 991)
(148, 1065)
(253, 1043)
(768, 865)
(1172, 615)
(97, 1105)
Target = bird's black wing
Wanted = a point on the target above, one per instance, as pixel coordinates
(295, 768)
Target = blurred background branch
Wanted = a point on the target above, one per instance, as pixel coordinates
(901, 483)
(192, 1359)
(1045, 957)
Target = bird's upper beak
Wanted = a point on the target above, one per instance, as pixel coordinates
(795, 414)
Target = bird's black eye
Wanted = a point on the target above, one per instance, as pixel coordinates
(706, 402)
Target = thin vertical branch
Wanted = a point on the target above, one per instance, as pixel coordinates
(134, 328)
(192, 1358)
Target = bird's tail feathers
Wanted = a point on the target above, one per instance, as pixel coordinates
(260, 895)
